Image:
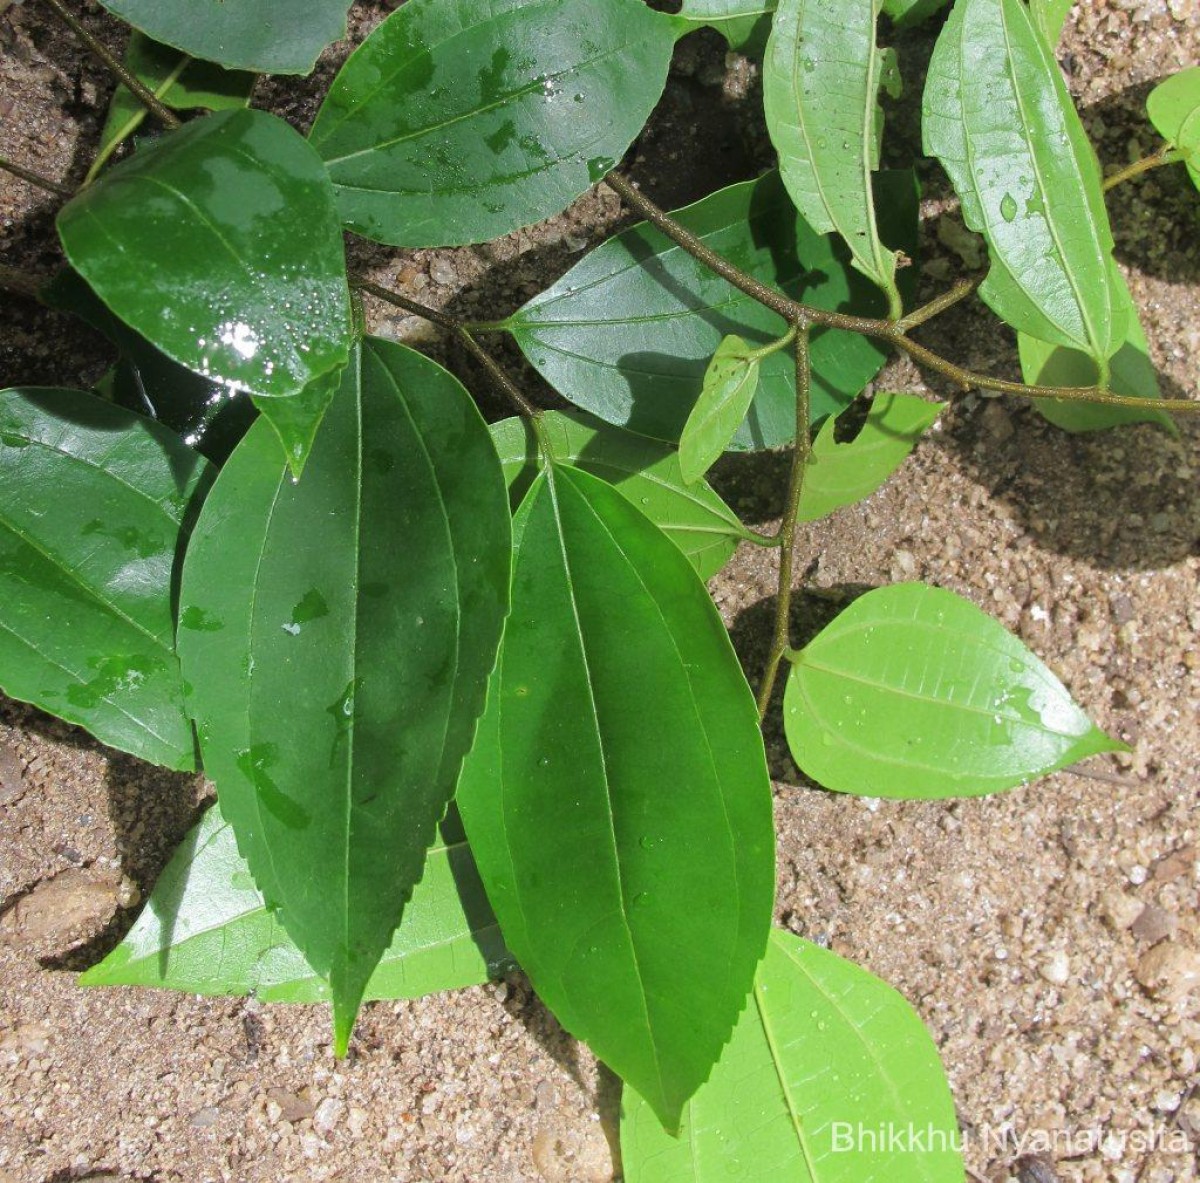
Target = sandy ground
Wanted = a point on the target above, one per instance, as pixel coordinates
(1047, 936)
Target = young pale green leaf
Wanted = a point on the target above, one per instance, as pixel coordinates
(456, 123)
(644, 470)
(1049, 16)
(221, 245)
(1174, 109)
(728, 390)
(620, 739)
(823, 1050)
(296, 419)
(270, 36)
(180, 82)
(840, 474)
(743, 23)
(206, 930)
(94, 503)
(821, 78)
(1131, 372)
(998, 116)
(628, 332)
(914, 692)
(338, 633)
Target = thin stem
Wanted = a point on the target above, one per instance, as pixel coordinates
(787, 529)
(35, 178)
(20, 283)
(131, 82)
(1165, 155)
(773, 346)
(443, 320)
(960, 291)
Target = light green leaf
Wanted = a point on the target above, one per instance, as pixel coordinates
(87, 630)
(297, 418)
(914, 692)
(912, 12)
(339, 632)
(206, 930)
(456, 123)
(1049, 16)
(628, 332)
(1131, 372)
(821, 78)
(824, 1051)
(743, 23)
(643, 470)
(270, 36)
(725, 397)
(998, 116)
(621, 739)
(1174, 109)
(840, 474)
(220, 244)
(182, 83)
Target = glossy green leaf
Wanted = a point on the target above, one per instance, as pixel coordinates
(338, 632)
(1174, 109)
(628, 332)
(296, 419)
(842, 473)
(87, 582)
(270, 36)
(181, 83)
(1131, 372)
(619, 741)
(1049, 16)
(725, 396)
(206, 930)
(912, 12)
(1003, 125)
(220, 244)
(743, 23)
(645, 471)
(914, 692)
(456, 123)
(821, 79)
(824, 1050)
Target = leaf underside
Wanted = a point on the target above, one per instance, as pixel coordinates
(1174, 109)
(725, 397)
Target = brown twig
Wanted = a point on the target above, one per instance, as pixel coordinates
(33, 178)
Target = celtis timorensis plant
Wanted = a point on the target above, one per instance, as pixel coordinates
(462, 692)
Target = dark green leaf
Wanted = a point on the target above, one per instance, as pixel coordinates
(840, 474)
(206, 930)
(743, 23)
(823, 1051)
(270, 36)
(914, 692)
(821, 79)
(1131, 372)
(93, 504)
(339, 632)
(912, 12)
(1174, 109)
(1006, 131)
(628, 332)
(645, 471)
(456, 123)
(180, 82)
(221, 245)
(725, 396)
(620, 742)
(297, 418)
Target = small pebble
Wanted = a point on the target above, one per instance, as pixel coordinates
(1154, 924)
(1169, 971)
(1119, 909)
(442, 271)
(1056, 969)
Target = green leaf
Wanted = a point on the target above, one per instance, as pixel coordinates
(824, 1050)
(1131, 372)
(1005, 129)
(456, 123)
(628, 332)
(339, 632)
(911, 12)
(206, 930)
(270, 36)
(93, 506)
(842, 473)
(1174, 109)
(620, 740)
(643, 470)
(179, 81)
(728, 390)
(297, 418)
(821, 78)
(743, 23)
(914, 692)
(220, 244)
(1049, 17)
